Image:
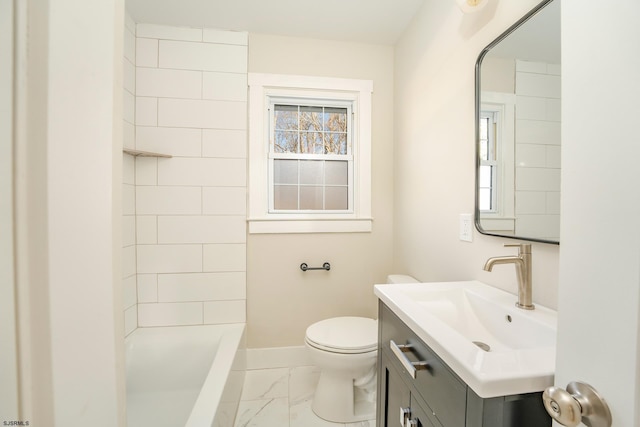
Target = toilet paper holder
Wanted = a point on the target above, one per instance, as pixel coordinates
(578, 403)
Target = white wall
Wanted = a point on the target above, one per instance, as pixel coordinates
(599, 305)
(435, 153)
(190, 210)
(282, 300)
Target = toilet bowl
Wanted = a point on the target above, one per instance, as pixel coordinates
(346, 349)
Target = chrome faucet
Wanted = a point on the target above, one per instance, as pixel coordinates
(523, 272)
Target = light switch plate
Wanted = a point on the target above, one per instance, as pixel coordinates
(466, 227)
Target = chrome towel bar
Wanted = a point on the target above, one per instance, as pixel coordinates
(305, 267)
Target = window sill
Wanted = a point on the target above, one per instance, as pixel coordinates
(278, 226)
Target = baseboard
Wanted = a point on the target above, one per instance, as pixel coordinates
(277, 357)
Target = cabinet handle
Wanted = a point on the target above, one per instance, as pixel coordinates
(405, 413)
(411, 367)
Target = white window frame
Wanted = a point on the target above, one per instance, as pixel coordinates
(263, 89)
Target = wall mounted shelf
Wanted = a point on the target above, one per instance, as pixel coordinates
(138, 153)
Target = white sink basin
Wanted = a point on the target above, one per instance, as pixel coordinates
(495, 347)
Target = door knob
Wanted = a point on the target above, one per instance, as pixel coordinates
(578, 403)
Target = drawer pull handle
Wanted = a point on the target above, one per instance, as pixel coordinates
(411, 367)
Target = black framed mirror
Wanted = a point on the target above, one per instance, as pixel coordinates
(518, 129)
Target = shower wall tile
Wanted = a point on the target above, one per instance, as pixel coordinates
(224, 143)
(129, 133)
(204, 172)
(129, 46)
(129, 77)
(169, 258)
(128, 230)
(130, 320)
(201, 229)
(201, 287)
(128, 261)
(172, 200)
(128, 107)
(163, 314)
(191, 103)
(225, 312)
(128, 199)
(147, 52)
(224, 257)
(202, 56)
(129, 292)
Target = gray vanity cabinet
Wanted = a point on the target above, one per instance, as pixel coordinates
(437, 397)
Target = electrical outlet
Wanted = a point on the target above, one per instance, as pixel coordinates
(466, 227)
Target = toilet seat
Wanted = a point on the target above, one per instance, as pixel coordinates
(345, 335)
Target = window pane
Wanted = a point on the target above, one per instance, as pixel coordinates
(485, 199)
(286, 142)
(335, 119)
(311, 143)
(485, 176)
(311, 172)
(336, 172)
(286, 117)
(336, 198)
(311, 198)
(311, 118)
(285, 197)
(335, 143)
(285, 171)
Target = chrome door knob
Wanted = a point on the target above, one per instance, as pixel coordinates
(578, 403)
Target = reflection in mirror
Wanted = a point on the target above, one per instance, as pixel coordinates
(518, 129)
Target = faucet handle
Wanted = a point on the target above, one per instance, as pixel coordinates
(523, 248)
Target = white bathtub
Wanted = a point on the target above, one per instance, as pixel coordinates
(187, 376)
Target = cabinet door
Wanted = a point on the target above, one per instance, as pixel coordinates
(394, 395)
(420, 417)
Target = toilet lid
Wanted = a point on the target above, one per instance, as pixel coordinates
(345, 334)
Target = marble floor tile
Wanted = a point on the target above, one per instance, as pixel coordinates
(265, 384)
(263, 413)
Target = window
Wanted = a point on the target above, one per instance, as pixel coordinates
(488, 176)
(309, 154)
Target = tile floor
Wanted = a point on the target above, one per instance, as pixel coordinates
(281, 397)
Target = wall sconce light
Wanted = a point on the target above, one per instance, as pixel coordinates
(471, 6)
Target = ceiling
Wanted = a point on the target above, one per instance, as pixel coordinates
(368, 21)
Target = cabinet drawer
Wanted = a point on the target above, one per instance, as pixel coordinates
(441, 389)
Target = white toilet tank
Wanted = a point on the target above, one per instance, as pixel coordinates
(401, 278)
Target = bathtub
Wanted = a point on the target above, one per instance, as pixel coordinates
(187, 376)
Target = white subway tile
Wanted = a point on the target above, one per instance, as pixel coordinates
(539, 226)
(130, 320)
(225, 312)
(168, 83)
(530, 202)
(129, 23)
(224, 257)
(201, 229)
(128, 107)
(203, 114)
(210, 172)
(169, 258)
(129, 46)
(541, 85)
(129, 292)
(553, 202)
(224, 86)
(211, 35)
(147, 50)
(554, 112)
(224, 201)
(201, 287)
(224, 143)
(128, 230)
(168, 32)
(532, 179)
(168, 200)
(537, 132)
(183, 142)
(129, 76)
(146, 111)
(202, 56)
(531, 155)
(147, 288)
(531, 108)
(128, 261)
(554, 69)
(128, 199)
(531, 66)
(170, 314)
(146, 229)
(553, 156)
(146, 170)
(128, 135)
(128, 169)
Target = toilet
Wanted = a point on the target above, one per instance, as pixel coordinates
(346, 349)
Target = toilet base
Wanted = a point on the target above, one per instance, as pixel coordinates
(337, 400)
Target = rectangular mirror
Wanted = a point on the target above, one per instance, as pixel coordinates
(518, 129)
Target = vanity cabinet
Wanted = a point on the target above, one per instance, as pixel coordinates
(437, 397)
